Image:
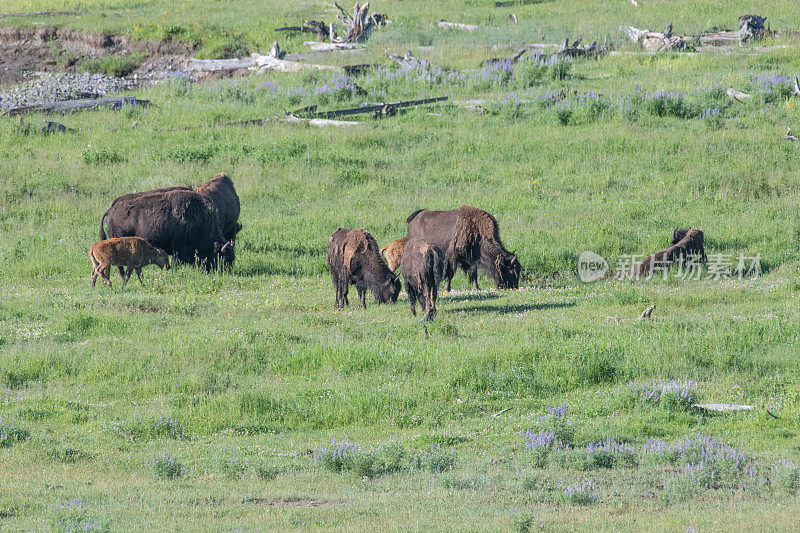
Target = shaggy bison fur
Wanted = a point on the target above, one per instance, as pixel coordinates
(182, 223)
(470, 239)
(686, 244)
(130, 252)
(393, 252)
(353, 257)
(222, 193)
(423, 267)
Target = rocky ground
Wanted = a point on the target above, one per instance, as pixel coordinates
(57, 87)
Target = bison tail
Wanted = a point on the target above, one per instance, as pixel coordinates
(412, 215)
(103, 235)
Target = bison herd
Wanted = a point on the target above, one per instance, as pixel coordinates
(199, 226)
(437, 244)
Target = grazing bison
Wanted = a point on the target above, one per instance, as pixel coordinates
(130, 252)
(685, 243)
(353, 257)
(393, 252)
(470, 239)
(221, 192)
(182, 223)
(423, 268)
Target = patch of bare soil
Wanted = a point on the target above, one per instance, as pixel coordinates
(27, 52)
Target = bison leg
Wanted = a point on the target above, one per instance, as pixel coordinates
(472, 275)
(139, 275)
(105, 273)
(336, 290)
(95, 264)
(362, 294)
(412, 298)
(127, 276)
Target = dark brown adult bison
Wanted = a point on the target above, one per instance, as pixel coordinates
(423, 267)
(353, 257)
(470, 239)
(688, 242)
(685, 243)
(219, 190)
(182, 223)
(222, 193)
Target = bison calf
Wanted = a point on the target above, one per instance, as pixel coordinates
(353, 257)
(130, 252)
(393, 252)
(423, 268)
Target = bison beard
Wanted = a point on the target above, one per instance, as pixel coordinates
(470, 239)
(182, 223)
(353, 257)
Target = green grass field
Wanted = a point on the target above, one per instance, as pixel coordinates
(210, 402)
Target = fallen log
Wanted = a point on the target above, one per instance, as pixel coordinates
(796, 91)
(288, 117)
(456, 26)
(723, 407)
(320, 29)
(789, 136)
(40, 14)
(407, 61)
(219, 65)
(84, 104)
(256, 62)
(739, 96)
(500, 60)
(656, 42)
(331, 47)
(576, 50)
(506, 3)
(380, 108)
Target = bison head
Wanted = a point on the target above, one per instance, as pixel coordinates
(388, 291)
(508, 270)
(226, 254)
(162, 259)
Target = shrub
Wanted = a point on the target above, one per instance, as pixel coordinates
(166, 466)
(119, 66)
(11, 433)
(584, 493)
(101, 156)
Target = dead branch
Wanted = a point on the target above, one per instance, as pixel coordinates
(360, 24)
(331, 47)
(653, 41)
(85, 104)
(408, 61)
(589, 50)
(500, 60)
(752, 27)
(380, 107)
(506, 3)
(456, 26)
(40, 14)
(320, 29)
(796, 87)
(723, 407)
(739, 96)
(500, 412)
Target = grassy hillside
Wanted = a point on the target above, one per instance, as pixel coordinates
(211, 401)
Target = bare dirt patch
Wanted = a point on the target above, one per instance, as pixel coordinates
(27, 52)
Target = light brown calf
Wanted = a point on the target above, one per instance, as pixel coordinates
(393, 252)
(130, 252)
